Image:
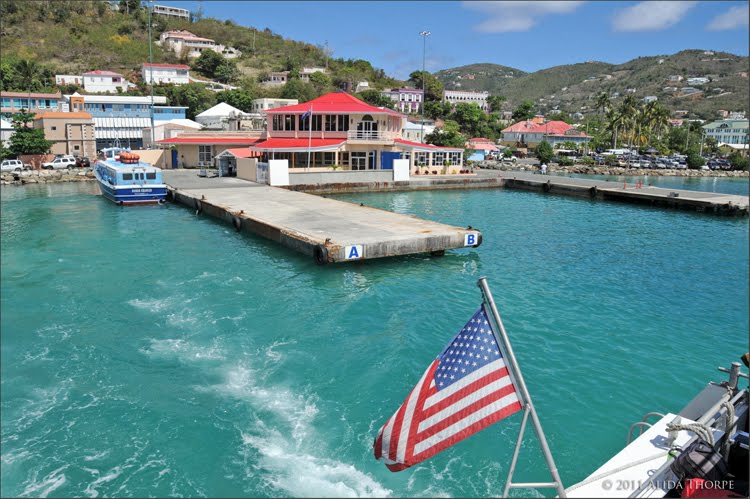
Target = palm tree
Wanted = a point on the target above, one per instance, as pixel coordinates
(602, 102)
(614, 121)
(628, 112)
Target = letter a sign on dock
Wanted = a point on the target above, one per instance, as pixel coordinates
(353, 252)
(456, 398)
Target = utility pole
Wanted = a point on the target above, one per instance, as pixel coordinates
(151, 72)
(424, 35)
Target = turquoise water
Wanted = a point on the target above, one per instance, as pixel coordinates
(738, 185)
(150, 352)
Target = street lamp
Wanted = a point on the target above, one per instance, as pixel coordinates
(151, 72)
(424, 35)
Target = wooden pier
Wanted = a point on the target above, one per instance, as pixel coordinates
(330, 231)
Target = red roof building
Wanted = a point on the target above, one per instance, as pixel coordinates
(530, 134)
(339, 129)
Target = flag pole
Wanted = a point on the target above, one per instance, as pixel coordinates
(309, 137)
(504, 343)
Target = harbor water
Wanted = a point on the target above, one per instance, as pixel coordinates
(148, 351)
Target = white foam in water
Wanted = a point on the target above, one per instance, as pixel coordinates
(46, 486)
(305, 475)
(183, 350)
(154, 305)
(284, 456)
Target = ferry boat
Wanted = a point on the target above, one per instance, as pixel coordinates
(701, 451)
(126, 180)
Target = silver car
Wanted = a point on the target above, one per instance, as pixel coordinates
(11, 165)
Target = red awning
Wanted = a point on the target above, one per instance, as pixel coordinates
(298, 145)
(242, 152)
(209, 140)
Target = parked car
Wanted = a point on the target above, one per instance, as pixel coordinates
(83, 162)
(11, 165)
(60, 163)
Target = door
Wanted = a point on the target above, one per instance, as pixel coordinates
(174, 159)
(386, 159)
(367, 128)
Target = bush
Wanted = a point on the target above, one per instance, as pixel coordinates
(544, 152)
(565, 161)
(738, 161)
(695, 160)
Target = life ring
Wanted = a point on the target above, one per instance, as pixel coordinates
(546, 186)
(198, 207)
(320, 254)
(162, 201)
(237, 222)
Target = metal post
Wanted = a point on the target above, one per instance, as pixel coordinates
(424, 35)
(151, 63)
(503, 341)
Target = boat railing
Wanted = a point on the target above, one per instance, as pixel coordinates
(643, 423)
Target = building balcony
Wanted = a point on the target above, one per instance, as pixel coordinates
(371, 136)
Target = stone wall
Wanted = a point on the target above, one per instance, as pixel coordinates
(47, 176)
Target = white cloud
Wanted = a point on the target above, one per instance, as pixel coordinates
(736, 17)
(651, 16)
(503, 17)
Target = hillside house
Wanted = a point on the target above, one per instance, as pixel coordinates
(727, 131)
(176, 74)
(176, 12)
(183, 42)
(68, 80)
(99, 82)
(408, 100)
(457, 96)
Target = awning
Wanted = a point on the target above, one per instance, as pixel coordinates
(208, 140)
(299, 145)
(239, 152)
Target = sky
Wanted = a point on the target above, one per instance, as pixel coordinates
(527, 35)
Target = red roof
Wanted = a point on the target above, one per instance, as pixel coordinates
(209, 140)
(425, 146)
(335, 102)
(176, 66)
(549, 128)
(243, 152)
(301, 144)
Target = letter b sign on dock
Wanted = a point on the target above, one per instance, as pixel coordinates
(470, 239)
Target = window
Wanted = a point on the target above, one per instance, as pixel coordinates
(289, 120)
(151, 176)
(278, 122)
(330, 123)
(127, 176)
(343, 123)
(54, 128)
(455, 157)
(317, 122)
(329, 158)
(76, 148)
(205, 154)
(438, 158)
(421, 158)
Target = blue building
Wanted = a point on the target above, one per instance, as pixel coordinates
(120, 120)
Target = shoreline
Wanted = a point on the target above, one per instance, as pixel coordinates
(87, 174)
(615, 170)
(47, 176)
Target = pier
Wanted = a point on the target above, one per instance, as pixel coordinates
(330, 231)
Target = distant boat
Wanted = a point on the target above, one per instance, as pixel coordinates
(125, 180)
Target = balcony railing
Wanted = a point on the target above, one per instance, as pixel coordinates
(369, 135)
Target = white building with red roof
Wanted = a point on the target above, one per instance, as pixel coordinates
(530, 134)
(177, 74)
(99, 82)
(339, 129)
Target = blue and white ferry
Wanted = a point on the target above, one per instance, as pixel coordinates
(124, 179)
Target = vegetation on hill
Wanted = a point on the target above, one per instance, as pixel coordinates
(572, 88)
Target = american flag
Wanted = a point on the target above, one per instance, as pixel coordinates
(464, 390)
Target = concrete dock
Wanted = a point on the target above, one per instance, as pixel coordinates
(708, 202)
(328, 230)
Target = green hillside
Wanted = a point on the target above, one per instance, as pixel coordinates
(572, 87)
(74, 36)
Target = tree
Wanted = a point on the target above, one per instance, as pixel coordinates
(544, 152)
(602, 102)
(194, 96)
(129, 6)
(241, 99)
(295, 88)
(226, 72)
(375, 98)
(738, 161)
(433, 88)
(27, 140)
(694, 160)
(525, 111)
(447, 136)
(496, 102)
(469, 117)
(208, 62)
